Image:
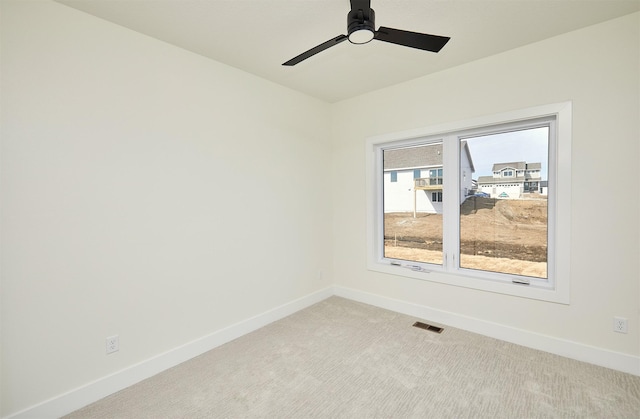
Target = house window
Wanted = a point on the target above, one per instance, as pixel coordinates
(416, 173)
(394, 176)
(507, 173)
(484, 242)
(435, 176)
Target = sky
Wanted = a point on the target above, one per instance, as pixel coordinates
(530, 145)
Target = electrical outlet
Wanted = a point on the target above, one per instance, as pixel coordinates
(113, 344)
(620, 324)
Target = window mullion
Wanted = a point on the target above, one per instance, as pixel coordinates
(450, 204)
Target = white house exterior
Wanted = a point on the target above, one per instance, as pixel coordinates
(413, 178)
(513, 180)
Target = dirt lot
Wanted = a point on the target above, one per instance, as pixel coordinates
(507, 236)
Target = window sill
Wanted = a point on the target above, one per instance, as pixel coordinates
(460, 279)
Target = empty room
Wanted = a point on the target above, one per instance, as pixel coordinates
(319, 208)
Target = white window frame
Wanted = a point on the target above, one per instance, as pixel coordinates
(557, 287)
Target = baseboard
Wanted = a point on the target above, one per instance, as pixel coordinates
(592, 355)
(96, 390)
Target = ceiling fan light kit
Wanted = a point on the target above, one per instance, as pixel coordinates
(361, 36)
(361, 29)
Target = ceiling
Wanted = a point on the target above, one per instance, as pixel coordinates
(257, 36)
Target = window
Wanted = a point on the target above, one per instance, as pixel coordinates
(435, 176)
(420, 202)
(508, 236)
(501, 237)
(394, 176)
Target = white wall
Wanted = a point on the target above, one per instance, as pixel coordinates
(466, 176)
(399, 196)
(597, 69)
(146, 192)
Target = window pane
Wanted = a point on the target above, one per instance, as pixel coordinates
(413, 204)
(503, 222)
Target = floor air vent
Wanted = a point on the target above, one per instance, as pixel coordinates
(428, 327)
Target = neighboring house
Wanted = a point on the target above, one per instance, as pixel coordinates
(413, 178)
(544, 187)
(513, 180)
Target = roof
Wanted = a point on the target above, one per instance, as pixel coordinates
(499, 180)
(411, 157)
(427, 155)
(519, 165)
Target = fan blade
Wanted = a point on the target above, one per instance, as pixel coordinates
(433, 43)
(315, 50)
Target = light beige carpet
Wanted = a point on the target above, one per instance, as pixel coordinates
(342, 359)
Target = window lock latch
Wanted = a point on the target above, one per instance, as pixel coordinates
(416, 268)
(520, 281)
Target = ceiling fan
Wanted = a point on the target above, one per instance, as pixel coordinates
(361, 29)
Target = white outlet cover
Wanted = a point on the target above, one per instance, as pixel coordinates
(112, 344)
(620, 324)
